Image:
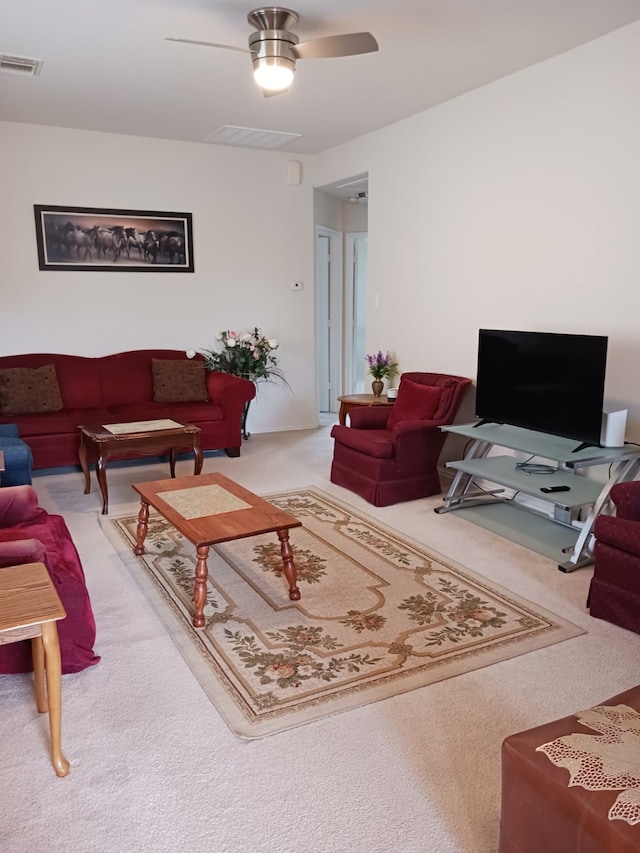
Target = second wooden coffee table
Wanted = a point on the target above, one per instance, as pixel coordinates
(139, 438)
(210, 509)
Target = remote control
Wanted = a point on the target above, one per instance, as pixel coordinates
(549, 489)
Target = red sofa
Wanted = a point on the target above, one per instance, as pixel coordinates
(29, 534)
(120, 388)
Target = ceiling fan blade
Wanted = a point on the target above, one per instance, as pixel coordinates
(210, 44)
(349, 44)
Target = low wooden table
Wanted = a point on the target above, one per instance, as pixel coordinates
(29, 610)
(140, 438)
(210, 509)
(352, 401)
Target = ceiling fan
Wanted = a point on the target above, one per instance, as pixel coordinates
(274, 48)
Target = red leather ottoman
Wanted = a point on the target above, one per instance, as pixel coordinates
(543, 813)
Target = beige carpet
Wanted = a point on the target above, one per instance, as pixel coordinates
(379, 615)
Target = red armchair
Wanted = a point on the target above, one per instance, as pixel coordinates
(30, 534)
(614, 594)
(390, 454)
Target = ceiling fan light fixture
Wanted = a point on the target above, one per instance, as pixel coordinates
(273, 73)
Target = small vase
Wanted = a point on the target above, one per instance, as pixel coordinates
(376, 386)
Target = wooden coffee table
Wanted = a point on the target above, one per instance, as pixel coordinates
(139, 438)
(210, 509)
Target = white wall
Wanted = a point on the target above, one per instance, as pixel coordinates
(253, 236)
(515, 206)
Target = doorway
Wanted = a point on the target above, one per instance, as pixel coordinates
(329, 297)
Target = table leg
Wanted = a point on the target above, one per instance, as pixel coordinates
(289, 565)
(141, 530)
(37, 653)
(197, 455)
(200, 587)
(172, 462)
(101, 474)
(54, 694)
(82, 455)
(342, 414)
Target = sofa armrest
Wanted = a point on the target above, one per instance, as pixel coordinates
(18, 504)
(417, 444)
(621, 533)
(626, 497)
(9, 431)
(228, 391)
(369, 417)
(15, 550)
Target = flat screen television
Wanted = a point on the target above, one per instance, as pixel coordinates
(552, 383)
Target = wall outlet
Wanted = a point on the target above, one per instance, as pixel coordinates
(296, 285)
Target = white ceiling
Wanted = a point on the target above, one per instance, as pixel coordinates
(107, 66)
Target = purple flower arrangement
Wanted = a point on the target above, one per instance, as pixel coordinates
(381, 365)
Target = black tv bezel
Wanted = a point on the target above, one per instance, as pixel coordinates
(586, 436)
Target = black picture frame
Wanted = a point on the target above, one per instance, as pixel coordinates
(102, 239)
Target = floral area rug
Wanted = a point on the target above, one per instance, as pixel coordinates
(379, 615)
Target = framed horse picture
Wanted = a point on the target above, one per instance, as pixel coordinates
(110, 240)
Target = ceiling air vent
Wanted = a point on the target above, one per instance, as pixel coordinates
(250, 137)
(19, 65)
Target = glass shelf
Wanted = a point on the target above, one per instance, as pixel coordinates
(585, 494)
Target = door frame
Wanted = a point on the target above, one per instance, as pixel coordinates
(350, 319)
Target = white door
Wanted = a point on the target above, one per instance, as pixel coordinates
(356, 306)
(328, 317)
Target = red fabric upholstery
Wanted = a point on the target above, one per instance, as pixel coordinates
(119, 388)
(415, 402)
(387, 464)
(30, 534)
(614, 593)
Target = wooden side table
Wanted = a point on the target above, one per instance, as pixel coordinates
(352, 401)
(29, 610)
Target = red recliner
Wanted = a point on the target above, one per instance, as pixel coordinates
(30, 534)
(614, 594)
(390, 454)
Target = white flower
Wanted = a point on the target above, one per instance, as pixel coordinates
(231, 343)
(190, 353)
(273, 343)
(245, 337)
(219, 336)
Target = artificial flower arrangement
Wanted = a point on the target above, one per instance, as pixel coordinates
(381, 366)
(249, 354)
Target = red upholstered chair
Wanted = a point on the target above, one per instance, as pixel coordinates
(30, 534)
(614, 593)
(390, 454)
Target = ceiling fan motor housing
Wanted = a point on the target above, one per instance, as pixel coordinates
(273, 40)
(273, 18)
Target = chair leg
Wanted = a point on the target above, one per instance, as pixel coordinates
(54, 694)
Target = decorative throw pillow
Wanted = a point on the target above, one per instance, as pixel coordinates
(29, 390)
(416, 402)
(177, 381)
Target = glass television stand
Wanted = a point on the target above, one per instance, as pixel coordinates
(561, 526)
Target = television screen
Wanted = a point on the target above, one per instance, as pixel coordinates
(543, 381)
